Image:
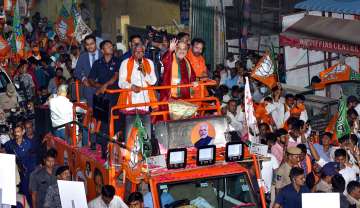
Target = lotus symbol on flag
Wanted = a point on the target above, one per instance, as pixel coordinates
(266, 68)
(265, 71)
(62, 29)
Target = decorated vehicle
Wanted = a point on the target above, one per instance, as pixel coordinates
(189, 161)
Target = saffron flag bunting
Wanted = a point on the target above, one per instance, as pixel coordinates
(265, 71)
(336, 73)
(64, 25)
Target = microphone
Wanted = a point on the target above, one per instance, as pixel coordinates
(140, 63)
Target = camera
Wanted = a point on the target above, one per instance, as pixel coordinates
(19, 116)
(155, 35)
(4, 129)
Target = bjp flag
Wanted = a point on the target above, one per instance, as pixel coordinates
(337, 73)
(4, 48)
(8, 5)
(264, 71)
(64, 26)
(18, 39)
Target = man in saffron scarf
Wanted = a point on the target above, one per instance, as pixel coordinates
(137, 72)
(177, 70)
(197, 62)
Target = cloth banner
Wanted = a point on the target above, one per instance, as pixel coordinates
(81, 30)
(336, 73)
(250, 114)
(64, 25)
(264, 71)
(342, 124)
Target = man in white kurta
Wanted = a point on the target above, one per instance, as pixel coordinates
(142, 75)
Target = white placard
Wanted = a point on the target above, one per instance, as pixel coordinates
(7, 179)
(206, 154)
(177, 157)
(72, 194)
(158, 161)
(328, 200)
(259, 149)
(235, 150)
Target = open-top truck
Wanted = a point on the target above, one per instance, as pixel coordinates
(179, 174)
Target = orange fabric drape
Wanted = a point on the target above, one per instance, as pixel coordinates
(296, 110)
(199, 67)
(331, 128)
(197, 63)
(308, 164)
(175, 75)
(262, 115)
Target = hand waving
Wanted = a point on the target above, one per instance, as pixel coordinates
(173, 44)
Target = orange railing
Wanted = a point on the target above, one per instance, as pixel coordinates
(202, 98)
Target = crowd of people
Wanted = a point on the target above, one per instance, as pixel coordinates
(301, 161)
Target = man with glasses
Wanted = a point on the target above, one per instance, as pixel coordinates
(292, 159)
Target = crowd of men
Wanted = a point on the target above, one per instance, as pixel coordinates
(300, 161)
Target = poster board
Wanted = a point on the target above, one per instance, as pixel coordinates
(7, 179)
(328, 200)
(72, 194)
(192, 132)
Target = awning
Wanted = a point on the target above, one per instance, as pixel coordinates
(337, 6)
(324, 34)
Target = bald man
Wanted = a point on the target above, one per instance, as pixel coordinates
(205, 139)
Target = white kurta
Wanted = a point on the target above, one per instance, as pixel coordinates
(236, 121)
(138, 79)
(277, 112)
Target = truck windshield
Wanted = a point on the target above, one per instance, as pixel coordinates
(220, 192)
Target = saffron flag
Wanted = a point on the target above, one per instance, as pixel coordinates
(64, 26)
(342, 124)
(4, 47)
(31, 4)
(18, 39)
(337, 73)
(250, 113)
(8, 5)
(264, 71)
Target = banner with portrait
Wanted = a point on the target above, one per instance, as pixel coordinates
(192, 132)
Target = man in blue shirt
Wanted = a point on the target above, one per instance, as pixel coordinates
(324, 149)
(103, 75)
(290, 195)
(21, 147)
(233, 79)
(105, 71)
